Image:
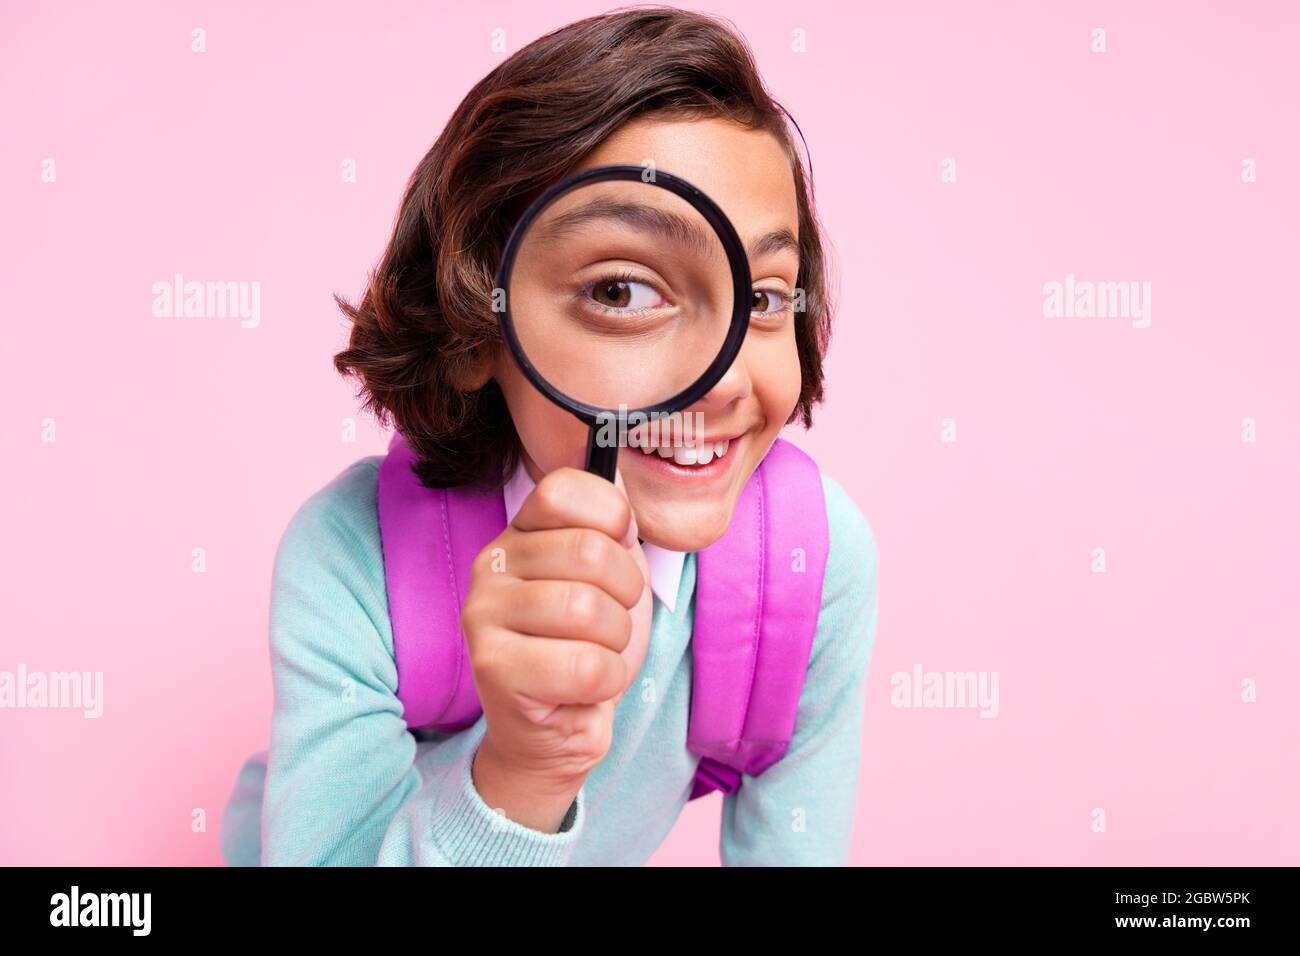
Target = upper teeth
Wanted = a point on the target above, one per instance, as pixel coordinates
(685, 454)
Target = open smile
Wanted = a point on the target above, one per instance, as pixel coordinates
(700, 460)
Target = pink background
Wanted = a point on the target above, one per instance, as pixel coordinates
(1119, 691)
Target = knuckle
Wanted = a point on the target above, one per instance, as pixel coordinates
(471, 613)
(590, 551)
(486, 662)
(483, 607)
(579, 605)
(588, 671)
(552, 491)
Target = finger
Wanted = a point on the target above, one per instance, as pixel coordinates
(555, 670)
(633, 532)
(565, 609)
(575, 554)
(573, 720)
(569, 498)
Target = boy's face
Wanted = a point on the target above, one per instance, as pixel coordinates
(686, 507)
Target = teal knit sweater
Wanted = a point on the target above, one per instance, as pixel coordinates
(347, 784)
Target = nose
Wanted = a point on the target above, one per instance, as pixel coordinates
(734, 386)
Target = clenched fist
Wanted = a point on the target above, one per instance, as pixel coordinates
(557, 619)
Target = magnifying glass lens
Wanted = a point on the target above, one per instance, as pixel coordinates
(621, 294)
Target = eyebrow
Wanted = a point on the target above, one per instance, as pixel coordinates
(669, 225)
(778, 240)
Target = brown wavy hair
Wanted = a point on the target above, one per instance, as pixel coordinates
(425, 320)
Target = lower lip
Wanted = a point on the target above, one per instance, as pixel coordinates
(666, 466)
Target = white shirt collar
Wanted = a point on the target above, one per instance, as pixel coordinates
(665, 566)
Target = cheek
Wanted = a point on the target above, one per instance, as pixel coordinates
(777, 379)
(551, 437)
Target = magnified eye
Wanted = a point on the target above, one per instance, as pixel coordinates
(619, 292)
(768, 302)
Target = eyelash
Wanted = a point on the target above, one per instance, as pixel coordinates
(625, 276)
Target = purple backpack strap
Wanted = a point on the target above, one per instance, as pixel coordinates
(430, 539)
(757, 597)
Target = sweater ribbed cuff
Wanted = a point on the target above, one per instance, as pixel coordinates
(470, 833)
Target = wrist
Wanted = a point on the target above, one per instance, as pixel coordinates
(542, 781)
(539, 801)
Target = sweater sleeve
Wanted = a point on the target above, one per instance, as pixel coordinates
(799, 812)
(346, 783)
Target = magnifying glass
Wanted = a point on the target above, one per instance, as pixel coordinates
(623, 293)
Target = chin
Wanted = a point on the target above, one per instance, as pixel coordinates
(685, 530)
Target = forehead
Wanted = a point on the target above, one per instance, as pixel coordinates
(744, 171)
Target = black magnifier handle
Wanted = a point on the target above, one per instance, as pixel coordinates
(602, 456)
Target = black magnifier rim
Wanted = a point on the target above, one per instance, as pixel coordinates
(595, 414)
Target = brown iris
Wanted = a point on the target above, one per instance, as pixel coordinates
(618, 293)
